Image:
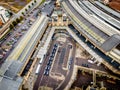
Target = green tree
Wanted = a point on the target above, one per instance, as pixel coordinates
(25, 9)
(35, 1)
(11, 26)
(32, 3)
(29, 6)
(21, 18)
(17, 20)
(22, 13)
(14, 23)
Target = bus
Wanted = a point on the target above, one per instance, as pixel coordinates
(38, 69)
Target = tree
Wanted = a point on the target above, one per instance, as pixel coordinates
(35, 1)
(29, 6)
(22, 13)
(17, 20)
(32, 3)
(21, 18)
(14, 23)
(26, 10)
(11, 26)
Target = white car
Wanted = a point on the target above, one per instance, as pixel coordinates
(90, 61)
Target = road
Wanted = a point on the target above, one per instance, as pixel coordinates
(5, 28)
(48, 8)
(25, 41)
(40, 74)
(17, 33)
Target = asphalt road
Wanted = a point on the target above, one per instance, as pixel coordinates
(41, 75)
(48, 8)
(19, 31)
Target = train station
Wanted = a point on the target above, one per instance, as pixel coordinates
(61, 48)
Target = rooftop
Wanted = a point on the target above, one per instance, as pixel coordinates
(112, 42)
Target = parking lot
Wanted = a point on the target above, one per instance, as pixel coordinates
(50, 60)
(86, 63)
(58, 63)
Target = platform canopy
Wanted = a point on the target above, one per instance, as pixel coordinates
(110, 43)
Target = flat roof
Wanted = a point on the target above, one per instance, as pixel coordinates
(111, 42)
(9, 79)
